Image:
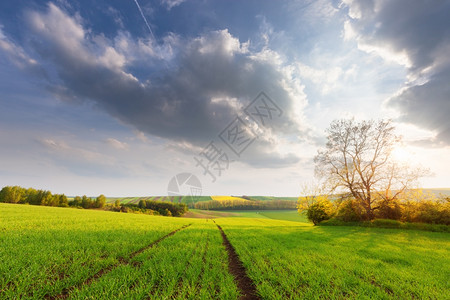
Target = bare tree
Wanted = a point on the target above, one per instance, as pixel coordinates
(357, 159)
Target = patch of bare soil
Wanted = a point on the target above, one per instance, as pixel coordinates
(246, 286)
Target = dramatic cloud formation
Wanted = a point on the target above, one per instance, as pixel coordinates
(120, 96)
(210, 79)
(417, 35)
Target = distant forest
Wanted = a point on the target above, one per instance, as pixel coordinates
(20, 195)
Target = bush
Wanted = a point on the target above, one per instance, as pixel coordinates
(319, 211)
(350, 211)
(389, 210)
(431, 212)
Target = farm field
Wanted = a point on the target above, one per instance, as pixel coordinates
(190, 200)
(77, 254)
(175, 199)
(290, 260)
(286, 215)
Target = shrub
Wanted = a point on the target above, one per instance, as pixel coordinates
(319, 211)
(433, 213)
(388, 210)
(350, 211)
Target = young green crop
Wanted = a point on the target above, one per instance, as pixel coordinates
(288, 260)
(46, 249)
(192, 264)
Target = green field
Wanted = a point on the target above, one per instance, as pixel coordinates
(186, 199)
(189, 200)
(61, 252)
(286, 215)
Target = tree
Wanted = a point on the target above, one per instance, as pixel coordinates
(76, 201)
(44, 198)
(117, 203)
(62, 200)
(86, 202)
(12, 194)
(100, 201)
(142, 204)
(358, 160)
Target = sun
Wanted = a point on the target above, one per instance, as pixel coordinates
(403, 154)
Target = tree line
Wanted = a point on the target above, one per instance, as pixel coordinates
(238, 204)
(156, 208)
(17, 194)
(20, 195)
(88, 202)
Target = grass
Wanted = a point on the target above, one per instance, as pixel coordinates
(386, 223)
(289, 260)
(191, 264)
(46, 250)
(286, 215)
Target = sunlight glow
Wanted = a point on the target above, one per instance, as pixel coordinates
(403, 154)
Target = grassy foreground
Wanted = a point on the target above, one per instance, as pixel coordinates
(49, 252)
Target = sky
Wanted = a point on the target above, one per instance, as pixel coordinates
(118, 97)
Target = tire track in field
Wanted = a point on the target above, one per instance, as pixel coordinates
(66, 291)
(246, 286)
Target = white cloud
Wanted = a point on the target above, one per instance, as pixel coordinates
(117, 144)
(171, 3)
(415, 35)
(184, 104)
(62, 149)
(14, 52)
(327, 78)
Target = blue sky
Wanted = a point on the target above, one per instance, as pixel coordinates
(95, 101)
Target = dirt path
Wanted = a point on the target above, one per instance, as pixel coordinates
(246, 286)
(65, 292)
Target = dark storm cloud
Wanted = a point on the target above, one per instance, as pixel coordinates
(421, 31)
(201, 85)
(428, 104)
